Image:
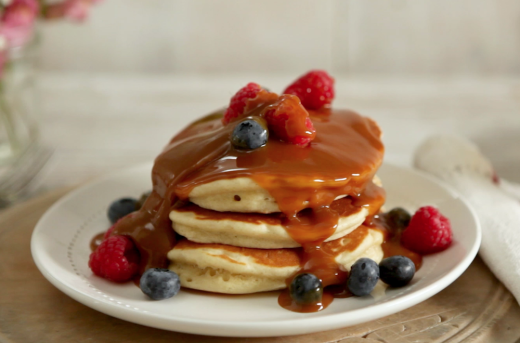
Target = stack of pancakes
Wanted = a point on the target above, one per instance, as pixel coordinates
(235, 240)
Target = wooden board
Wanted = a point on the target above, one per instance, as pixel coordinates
(476, 308)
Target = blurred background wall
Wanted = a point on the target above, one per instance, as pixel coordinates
(343, 36)
(145, 68)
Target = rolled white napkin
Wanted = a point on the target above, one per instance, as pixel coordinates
(460, 164)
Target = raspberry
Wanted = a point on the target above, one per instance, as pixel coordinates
(315, 89)
(290, 121)
(116, 259)
(428, 232)
(239, 101)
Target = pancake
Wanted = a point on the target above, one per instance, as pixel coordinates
(240, 194)
(250, 230)
(233, 270)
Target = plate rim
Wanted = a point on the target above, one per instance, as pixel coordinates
(282, 327)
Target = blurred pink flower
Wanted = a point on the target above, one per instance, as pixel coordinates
(18, 20)
(77, 10)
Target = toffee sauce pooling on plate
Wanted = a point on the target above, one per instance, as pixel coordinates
(392, 243)
(341, 160)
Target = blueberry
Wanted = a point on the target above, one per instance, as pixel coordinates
(399, 218)
(160, 283)
(250, 134)
(120, 208)
(306, 288)
(363, 277)
(397, 271)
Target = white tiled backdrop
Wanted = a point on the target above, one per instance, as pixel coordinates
(343, 36)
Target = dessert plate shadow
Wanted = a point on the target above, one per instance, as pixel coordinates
(60, 248)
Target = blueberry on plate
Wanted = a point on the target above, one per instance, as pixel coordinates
(120, 208)
(306, 288)
(250, 134)
(159, 283)
(399, 218)
(397, 271)
(363, 277)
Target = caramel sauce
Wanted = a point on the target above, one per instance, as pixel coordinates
(305, 181)
(311, 234)
(319, 258)
(393, 247)
(337, 291)
(285, 301)
(253, 218)
(392, 243)
(347, 243)
(344, 207)
(96, 241)
(340, 161)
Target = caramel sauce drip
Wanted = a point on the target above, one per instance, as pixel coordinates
(285, 301)
(393, 247)
(96, 241)
(311, 232)
(392, 244)
(150, 228)
(253, 218)
(343, 207)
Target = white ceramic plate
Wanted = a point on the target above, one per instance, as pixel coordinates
(60, 248)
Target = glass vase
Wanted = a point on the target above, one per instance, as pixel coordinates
(18, 122)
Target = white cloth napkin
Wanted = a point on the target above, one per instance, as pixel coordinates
(460, 164)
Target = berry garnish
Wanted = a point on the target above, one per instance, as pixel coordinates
(363, 277)
(396, 271)
(305, 289)
(315, 89)
(120, 208)
(428, 232)
(116, 259)
(250, 134)
(239, 101)
(290, 121)
(399, 218)
(160, 283)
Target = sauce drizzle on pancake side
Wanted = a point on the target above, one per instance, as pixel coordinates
(344, 207)
(341, 160)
